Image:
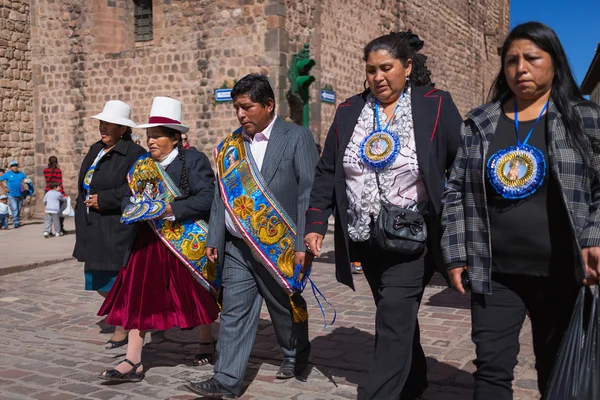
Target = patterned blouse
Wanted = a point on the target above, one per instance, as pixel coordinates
(401, 183)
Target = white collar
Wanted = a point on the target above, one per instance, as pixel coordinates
(169, 159)
(266, 132)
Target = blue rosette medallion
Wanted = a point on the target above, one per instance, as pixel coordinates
(381, 147)
(518, 171)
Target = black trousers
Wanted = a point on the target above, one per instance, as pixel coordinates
(399, 368)
(497, 320)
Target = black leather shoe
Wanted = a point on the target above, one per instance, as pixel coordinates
(210, 388)
(289, 368)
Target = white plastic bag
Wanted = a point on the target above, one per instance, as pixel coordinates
(66, 210)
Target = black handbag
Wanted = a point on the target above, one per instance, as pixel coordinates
(398, 229)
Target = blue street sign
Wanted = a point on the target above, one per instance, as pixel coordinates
(222, 95)
(327, 96)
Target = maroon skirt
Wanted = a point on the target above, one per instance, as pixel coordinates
(156, 291)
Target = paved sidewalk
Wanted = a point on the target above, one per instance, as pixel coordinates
(25, 248)
(51, 342)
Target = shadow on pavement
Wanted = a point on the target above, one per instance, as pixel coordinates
(449, 298)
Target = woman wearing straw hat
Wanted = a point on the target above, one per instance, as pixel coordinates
(101, 240)
(167, 281)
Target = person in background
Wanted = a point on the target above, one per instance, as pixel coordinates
(101, 240)
(14, 179)
(358, 171)
(527, 244)
(3, 211)
(54, 174)
(3, 188)
(186, 142)
(52, 200)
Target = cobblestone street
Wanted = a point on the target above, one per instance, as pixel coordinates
(51, 343)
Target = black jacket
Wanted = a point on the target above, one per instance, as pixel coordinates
(100, 238)
(437, 125)
(196, 205)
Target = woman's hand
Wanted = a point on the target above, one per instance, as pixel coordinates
(313, 243)
(168, 212)
(591, 259)
(456, 279)
(92, 202)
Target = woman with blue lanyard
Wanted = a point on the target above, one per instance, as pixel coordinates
(382, 174)
(101, 240)
(522, 208)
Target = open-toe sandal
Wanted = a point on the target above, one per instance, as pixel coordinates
(131, 376)
(205, 358)
(113, 344)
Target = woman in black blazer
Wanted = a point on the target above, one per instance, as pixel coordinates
(100, 239)
(426, 124)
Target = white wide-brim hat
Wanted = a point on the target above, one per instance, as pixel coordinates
(116, 112)
(165, 112)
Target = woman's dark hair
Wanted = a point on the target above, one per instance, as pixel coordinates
(174, 134)
(257, 87)
(404, 46)
(127, 135)
(52, 162)
(564, 89)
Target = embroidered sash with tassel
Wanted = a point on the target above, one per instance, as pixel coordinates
(152, 187)
(265, 226)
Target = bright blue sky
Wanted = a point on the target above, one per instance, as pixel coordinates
(577, 23)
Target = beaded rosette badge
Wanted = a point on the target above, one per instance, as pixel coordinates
(518, 171)
(381, 147)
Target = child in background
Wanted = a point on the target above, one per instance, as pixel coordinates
(3, 211)
(52, 201)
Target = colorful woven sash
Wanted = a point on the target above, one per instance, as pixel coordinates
(262, 221)
(186, 239)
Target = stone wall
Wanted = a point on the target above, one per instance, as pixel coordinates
(62, 60)
(16, 102)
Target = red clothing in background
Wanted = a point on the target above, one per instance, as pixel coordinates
(53, 175)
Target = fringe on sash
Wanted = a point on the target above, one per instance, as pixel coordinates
(300, 314)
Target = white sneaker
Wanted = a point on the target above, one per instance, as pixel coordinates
(56, 235)
(46, 235)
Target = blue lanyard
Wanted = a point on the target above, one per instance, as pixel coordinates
(390, 120)
(532, 128)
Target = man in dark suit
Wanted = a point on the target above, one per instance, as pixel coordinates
(286, 156)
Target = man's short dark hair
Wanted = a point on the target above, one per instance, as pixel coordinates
(257, 87)
(54, 185)
(2, 170)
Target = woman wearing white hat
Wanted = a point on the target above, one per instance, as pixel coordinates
(101, 240)
(167, 281)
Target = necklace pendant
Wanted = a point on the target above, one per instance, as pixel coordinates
(379, 149)
(517, 172)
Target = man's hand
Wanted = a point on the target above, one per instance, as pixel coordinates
(303, 258)
(92, 202)
(212, 254)
(591, 258)
(456, 279)
(313, 243)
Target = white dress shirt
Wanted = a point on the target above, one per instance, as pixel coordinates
(258, 147)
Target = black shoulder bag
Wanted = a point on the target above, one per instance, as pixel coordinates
(398, 229)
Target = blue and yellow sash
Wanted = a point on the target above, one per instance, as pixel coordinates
(263, 223)
(186, 239)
